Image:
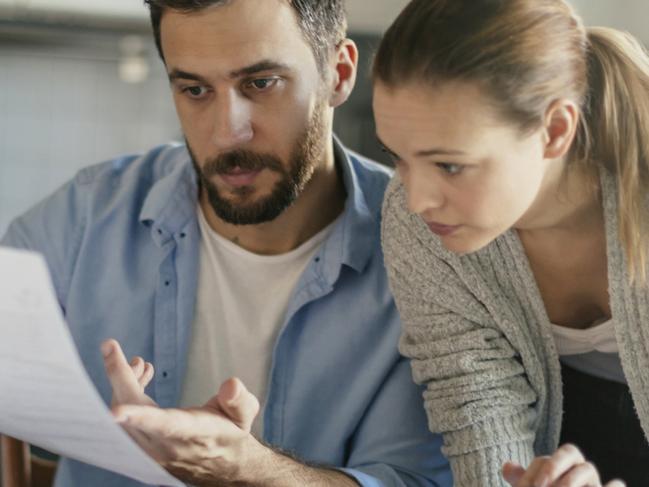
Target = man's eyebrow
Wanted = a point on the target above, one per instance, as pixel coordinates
(177, 74)
(426, 152)
(265, 65)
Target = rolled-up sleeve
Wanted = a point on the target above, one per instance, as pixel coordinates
(477, 394)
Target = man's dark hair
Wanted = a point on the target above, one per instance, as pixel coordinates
(322, 22)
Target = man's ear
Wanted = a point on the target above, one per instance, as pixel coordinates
(561, 122)
(345, 68)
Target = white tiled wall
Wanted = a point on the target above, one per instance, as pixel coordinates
(62, 109)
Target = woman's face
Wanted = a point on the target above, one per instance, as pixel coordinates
(469, 174)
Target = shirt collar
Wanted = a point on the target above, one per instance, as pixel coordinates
(356, 236)
(170, 205)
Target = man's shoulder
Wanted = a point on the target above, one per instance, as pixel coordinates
(371, 176)
(139, 168)
(372, 170)
(101, 191)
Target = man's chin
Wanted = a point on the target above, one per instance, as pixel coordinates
(248, 211)
(244, 199)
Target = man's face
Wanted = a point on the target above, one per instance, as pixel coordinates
(252, 104)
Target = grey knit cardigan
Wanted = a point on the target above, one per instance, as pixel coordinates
(480, 340)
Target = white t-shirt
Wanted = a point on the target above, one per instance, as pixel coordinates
(241, 305)
(600, 338)
(593, 351)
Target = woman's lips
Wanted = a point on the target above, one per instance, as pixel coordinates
(442, 230)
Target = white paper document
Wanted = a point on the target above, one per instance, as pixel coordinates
(46, 397)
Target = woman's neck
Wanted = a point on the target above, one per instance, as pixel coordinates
(568, 201)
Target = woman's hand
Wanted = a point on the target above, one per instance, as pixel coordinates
(566, 468)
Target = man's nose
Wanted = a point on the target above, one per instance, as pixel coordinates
(423, 193)
(232, 122)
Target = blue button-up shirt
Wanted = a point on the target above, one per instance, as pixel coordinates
(122, 244)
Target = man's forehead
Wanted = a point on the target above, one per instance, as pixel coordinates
(236, 20)
(238, 34)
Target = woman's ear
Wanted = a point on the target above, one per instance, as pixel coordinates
(345, 69)
(561, 122)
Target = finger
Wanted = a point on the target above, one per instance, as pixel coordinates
(237, 403)
(529, 478)
(150, 420)
(126, 388)
(147, 375)
(143, 371)
(137, 366)
(581, 475)
(561, 462)
(615, 483)
(166, 426)
(512, 473)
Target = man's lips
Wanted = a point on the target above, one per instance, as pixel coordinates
(442, 230)
(238, 178)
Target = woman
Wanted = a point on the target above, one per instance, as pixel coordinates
(516, 236)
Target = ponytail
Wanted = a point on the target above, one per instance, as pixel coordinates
(615, 134)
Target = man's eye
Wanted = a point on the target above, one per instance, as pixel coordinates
(450, 168)
(262, 84)
(195, 91)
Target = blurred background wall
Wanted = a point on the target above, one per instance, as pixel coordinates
(80, 82)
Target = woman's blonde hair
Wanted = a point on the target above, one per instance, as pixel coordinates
(527, 54)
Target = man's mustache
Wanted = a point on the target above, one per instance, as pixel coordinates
(242, 160)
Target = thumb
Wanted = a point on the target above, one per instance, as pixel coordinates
(237, 403)
(513, 472)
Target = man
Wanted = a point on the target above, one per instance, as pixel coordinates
(251, 251)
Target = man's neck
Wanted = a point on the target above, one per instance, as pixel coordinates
(319, 204)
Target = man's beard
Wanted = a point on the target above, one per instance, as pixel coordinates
(306, 154)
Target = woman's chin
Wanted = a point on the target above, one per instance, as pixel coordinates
(463, 245)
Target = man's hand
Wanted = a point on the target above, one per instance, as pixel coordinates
(566, 468)
(183, 441)
(204, 446)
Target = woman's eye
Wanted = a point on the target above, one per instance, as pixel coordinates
(395, 159)
(450, 168)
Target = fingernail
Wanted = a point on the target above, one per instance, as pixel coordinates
(233, 400)
(106, 349)
(121, 418)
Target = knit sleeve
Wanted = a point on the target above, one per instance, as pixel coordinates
(477, 394)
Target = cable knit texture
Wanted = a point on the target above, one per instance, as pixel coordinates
(479, 338)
